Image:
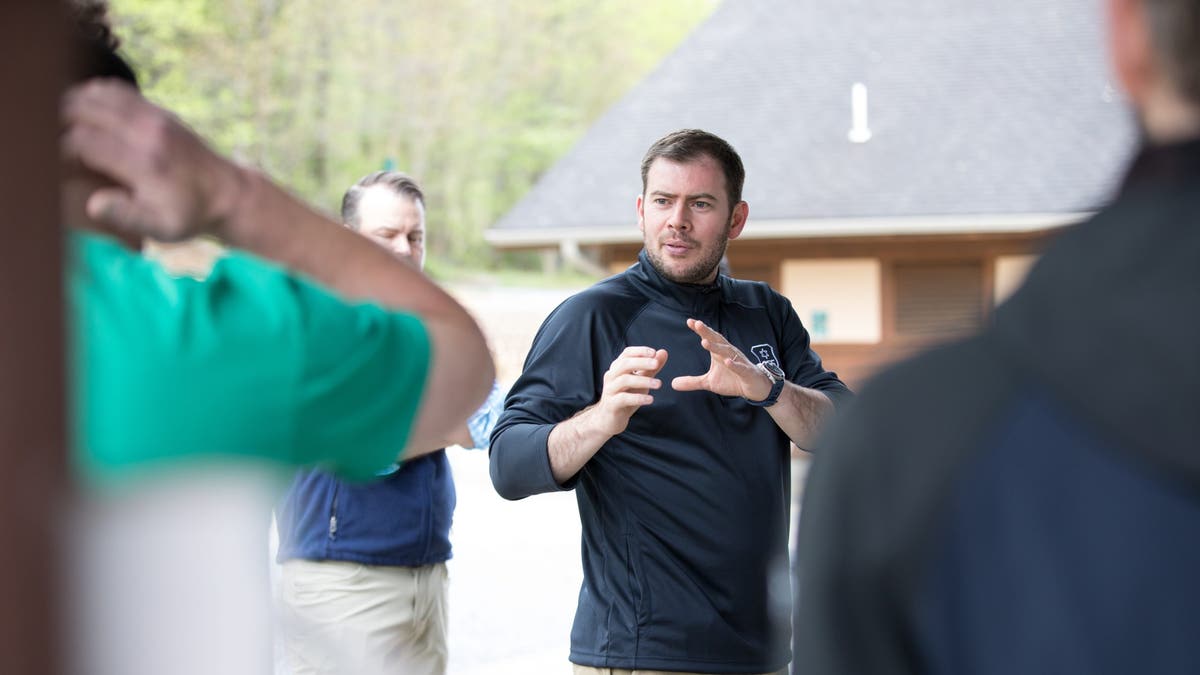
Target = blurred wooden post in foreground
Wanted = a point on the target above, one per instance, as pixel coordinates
(32, 420)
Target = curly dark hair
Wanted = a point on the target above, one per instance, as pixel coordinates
(94, 43)
(90, 18)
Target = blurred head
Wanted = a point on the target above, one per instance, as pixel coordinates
(388, 208)
(93, 54)
(691, 204)
(1155, 49)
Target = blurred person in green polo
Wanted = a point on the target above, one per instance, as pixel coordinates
(306, 346)
(263, 358)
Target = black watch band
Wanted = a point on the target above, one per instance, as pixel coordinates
(777, 381)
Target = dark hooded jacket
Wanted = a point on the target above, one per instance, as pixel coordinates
(1028, 501)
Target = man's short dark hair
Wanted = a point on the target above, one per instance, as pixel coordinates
(688, 145)
(397, 182)
(93, 44)
(1175, 29)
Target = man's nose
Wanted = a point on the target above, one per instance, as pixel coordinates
(680, 217)
(401, 247)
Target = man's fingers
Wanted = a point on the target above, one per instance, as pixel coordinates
(716, 344)
(640, 360)
(98, 121)
(114, 207)
(642, 365)
(631, 382)
(700, 328)
(624, 404)
(715, 340)
(96, 150)
(688, 383)
(636, 351)
(741, 366)
(106, 103)
(112, 130)
(722, 350)
(661, 357)
(629, 399)
(116, 156)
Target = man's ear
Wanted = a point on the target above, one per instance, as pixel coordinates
(641, 218)
(1130, 48)
(737, 219)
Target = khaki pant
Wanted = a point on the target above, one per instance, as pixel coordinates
(344, 618)
(588, 670)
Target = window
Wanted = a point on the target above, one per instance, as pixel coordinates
(938, 299)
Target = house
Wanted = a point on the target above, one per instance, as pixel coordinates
(906, 161)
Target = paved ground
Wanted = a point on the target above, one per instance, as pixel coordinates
(514, 577)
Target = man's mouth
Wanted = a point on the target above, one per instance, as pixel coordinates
(676, 247)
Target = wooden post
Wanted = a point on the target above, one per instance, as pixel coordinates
(32, 421)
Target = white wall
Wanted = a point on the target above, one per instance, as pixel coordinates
(1010, 273)
(846, 290)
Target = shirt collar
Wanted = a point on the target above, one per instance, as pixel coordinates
(692, 299)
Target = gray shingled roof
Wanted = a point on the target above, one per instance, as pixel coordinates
(980, 107)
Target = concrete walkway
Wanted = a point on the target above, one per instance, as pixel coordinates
(514, 578)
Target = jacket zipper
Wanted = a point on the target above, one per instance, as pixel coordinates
(333, 512)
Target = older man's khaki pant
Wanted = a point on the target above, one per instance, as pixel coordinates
(343, 618)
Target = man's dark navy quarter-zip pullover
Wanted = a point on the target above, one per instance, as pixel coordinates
(685, 513)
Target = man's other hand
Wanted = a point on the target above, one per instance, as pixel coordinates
(627, 386)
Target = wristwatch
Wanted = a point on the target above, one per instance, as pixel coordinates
(777, 379)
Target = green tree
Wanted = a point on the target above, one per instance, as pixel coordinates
(476, 98)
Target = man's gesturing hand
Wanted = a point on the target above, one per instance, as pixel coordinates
(627, 386)
(730, 373)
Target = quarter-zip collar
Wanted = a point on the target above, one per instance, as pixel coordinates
(699, 301)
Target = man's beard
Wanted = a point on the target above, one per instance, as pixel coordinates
(697, 273)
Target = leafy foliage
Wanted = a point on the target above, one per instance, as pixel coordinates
(476, 98)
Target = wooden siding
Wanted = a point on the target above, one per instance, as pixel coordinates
(762, 260)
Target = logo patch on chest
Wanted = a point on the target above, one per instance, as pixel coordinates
(766, 354)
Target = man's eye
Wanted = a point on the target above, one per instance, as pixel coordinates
(416, 238)
(661, 201)
(701, 205)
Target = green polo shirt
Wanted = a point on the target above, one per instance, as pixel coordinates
(251, 363)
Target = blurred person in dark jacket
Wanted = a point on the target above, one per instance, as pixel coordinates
(1028, 500)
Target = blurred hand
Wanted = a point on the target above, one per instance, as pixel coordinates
(168, 184)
